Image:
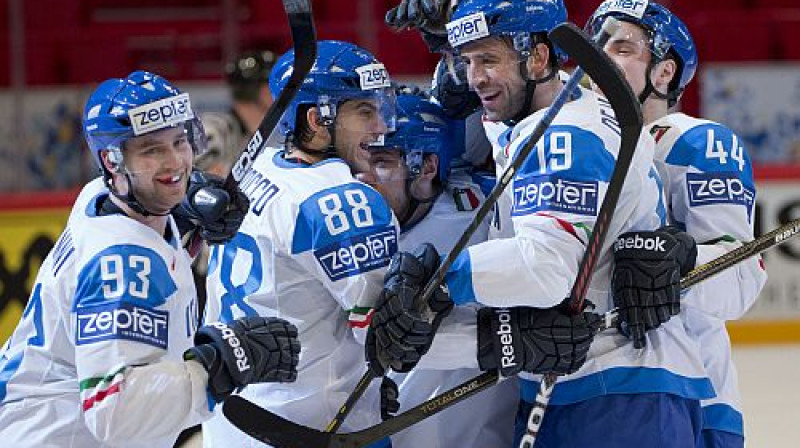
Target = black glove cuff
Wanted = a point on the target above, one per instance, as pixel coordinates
(502, 341)
(220, 383)
(486, 358)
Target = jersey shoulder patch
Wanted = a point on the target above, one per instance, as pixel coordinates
(348, 228)
(118, 294)
(563, 173)
(124, 273)
(711, 148)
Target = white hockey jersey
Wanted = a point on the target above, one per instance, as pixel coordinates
(711, 195)
(96, 360)
(465, 425)
(313, 250)
(554, 199)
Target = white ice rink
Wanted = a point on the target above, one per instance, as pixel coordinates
(769, 376)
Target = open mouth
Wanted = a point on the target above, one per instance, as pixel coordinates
(170, 180)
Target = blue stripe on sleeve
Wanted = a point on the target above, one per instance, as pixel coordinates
(459, 280)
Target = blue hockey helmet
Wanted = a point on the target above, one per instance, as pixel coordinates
(143, 102)
(517, 19)
(668, 33)
(341, 72)
(422, 128)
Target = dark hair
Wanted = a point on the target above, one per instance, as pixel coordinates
(248, 73)
(302, 132)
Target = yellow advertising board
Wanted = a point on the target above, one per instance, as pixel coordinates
(29, 226)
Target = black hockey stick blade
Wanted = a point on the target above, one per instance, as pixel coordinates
(304, 39)
(605, 73)
(274, 430)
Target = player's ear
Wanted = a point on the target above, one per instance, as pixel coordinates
(663, 74)
(111, 160)
(539, 60)
(430, 166)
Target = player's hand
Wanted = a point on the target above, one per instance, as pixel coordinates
(534, 340)
(402, 327)
(451, 90)
(211, 208)
(646, 279)
(246, 351)
(427, 16)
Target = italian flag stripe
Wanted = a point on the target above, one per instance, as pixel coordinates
(360, 317)
(105, 386)
(571, 228)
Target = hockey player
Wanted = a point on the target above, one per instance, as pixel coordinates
(315, 244)
(436, 201)
(107, 352)
(247, 77)
(554, 200)
(709, 185)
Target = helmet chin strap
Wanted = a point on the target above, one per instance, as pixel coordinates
(649, 88)
(413, 202)
(530, 89)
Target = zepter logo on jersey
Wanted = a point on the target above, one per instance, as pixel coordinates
(358, 254)
(164, 113)
(121, 320)
(633, 8)
(719, 188)
(373, 76)
(549, 193)
(467, 29)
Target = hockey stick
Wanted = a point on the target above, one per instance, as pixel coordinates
(629, 116)
(301, 24)
(611, 81)
(279, 432)
(605, 74)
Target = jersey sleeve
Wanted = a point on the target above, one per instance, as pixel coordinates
(556, 195)
(712, 196)
(129, 387)
(346, 236)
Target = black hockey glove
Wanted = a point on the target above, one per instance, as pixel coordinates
(534, 340)
(428, 16)
(646, 279)
(451, 90)
(402, 330)
(390, 398)
(211, 208)
(246, 351)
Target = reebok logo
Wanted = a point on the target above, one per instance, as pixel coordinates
(540, 193)
(633, 8)
(467, 29)
(228, 335)
(161, 114)
(359, 254)
(121, 320)
(719, 188)
(506, 338)
(637, 242)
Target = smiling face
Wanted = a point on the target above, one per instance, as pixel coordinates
(158, 166)
(358, 123)
(493, 73)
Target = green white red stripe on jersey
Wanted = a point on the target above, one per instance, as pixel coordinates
(577, 229)
(360, 317)
(96, 389)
